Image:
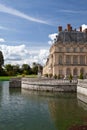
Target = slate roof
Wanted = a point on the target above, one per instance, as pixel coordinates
(72, 36)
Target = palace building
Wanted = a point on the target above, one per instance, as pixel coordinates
(68, 54)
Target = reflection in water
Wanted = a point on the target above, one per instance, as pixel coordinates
(13, 91)
(82, 104)
(82, 97)
(66, 113)
(33, 110)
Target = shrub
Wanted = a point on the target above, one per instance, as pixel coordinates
(46, 75)
(23, 75)
(59, 76)
(50, 75)
(81, 76)
(55, 76)
(70, 77)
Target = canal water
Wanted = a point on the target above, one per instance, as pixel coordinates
(27, 110)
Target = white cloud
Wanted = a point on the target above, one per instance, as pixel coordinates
(73, 11)
(84, 26)
(2, 40)
(3, 28)
(52, 37)
(23, 55)
(20, 14)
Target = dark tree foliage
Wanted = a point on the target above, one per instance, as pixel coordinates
(36, 68)
(26, 69)
(1, 59)
(1, 64)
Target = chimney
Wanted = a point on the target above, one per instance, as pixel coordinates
(71, 28)
(75, 29)
(80, 29)
(68, 27)
(60, 28)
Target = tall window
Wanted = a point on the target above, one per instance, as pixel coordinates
(81, 49)
(60, 59)
(60, 49)
(82, 70)
(60, 72)
(75, 72)
(75, 59)
(68, 59)
(82, 60)
(68, 71)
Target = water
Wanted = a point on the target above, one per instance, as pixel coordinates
(26, 110)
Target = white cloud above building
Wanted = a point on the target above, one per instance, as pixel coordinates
(52, 37)
(2, 40)
(84, 26)
(21, 54)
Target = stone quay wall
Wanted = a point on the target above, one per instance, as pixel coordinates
(82, 86)
(54, 85)
(15, 83)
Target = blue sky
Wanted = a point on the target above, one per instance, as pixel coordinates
(26, 25)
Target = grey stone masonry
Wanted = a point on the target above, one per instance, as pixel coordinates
(82, 86)
(49, 84)
(15, 83)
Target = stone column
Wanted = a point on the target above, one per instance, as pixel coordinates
(79, 59)
(78, 71)
(72, 71)
(85, 59)
(71, 59)
(64, 60)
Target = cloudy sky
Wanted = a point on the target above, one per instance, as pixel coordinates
(27, 27)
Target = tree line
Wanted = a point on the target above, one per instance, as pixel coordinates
(13, 70)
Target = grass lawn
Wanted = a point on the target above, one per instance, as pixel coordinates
(7, 78)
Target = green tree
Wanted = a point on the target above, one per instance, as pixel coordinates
(1, 63)
(26, 68)
(1, 59)
(16, 69)
(35, 68)
(9, 69)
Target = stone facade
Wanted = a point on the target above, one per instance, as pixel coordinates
(68, 54)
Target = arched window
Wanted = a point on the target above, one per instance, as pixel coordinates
(82, 70)
(75, 72)
(60, 59)
(68, 71)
